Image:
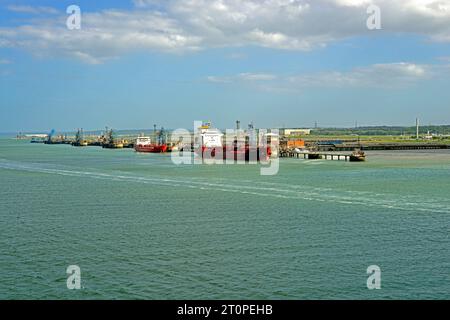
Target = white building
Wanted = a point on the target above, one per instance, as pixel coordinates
(296, 132)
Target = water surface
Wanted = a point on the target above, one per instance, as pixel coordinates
(140, 227)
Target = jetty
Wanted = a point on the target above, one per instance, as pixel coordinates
(339, 147)
(316, 155)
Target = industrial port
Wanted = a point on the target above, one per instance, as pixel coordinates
(337, 144)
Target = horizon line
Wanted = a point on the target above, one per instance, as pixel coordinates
(277, 127)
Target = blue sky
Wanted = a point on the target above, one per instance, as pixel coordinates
(274, 62)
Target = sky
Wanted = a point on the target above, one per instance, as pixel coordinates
(277, 63)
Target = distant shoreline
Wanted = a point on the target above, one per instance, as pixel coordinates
(328, 131)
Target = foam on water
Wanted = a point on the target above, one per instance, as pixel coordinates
(277, 190)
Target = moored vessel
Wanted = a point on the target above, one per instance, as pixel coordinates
(211, 146)
(357, 156)
(79, 139)
(145, 144)
(109, 141)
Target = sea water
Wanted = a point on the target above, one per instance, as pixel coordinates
(140, 227)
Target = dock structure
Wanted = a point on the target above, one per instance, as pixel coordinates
(315, 155)
(382, 146)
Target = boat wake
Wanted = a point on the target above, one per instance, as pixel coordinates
(254, 188)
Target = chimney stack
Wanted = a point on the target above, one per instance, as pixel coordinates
(417, 128)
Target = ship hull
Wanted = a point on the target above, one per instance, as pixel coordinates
(357, 158)
(113, 146)
(153, 148)
(80, 144)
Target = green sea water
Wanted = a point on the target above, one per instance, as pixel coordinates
(140, 227)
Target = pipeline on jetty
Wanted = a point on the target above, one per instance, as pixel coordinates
(381, 146)
(356, 156)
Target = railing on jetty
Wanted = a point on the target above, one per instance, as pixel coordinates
(314, 155)
(384, 146)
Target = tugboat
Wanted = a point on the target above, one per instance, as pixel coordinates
(145, 144)
(358, 156)
(79, 139)
(109, 142)
(37, 140)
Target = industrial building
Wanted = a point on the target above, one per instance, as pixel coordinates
(295, 132)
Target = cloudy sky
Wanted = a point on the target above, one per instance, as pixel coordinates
(273, 62)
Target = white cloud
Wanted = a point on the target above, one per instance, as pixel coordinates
(216, 79)
(377, 75)
(32, 10)
(243, 77)
(103, 36)
(256, 76)
(187, 25)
